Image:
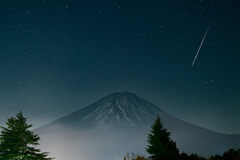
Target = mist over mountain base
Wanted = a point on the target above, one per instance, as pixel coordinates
(99, 144)
(115, 143)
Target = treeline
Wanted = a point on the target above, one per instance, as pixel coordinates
(231, 154)
(162, 147)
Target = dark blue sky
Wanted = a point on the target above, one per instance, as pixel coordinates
(58, 56)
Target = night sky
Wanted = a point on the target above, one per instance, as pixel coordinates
(58, 56)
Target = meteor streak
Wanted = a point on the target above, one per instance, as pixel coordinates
(201, 43)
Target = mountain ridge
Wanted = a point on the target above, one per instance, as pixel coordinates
(122, 104)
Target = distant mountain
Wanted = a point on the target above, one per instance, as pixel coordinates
(128, 116)
(116, 109)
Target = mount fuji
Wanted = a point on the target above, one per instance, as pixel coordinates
(119, 123)
(115, 110)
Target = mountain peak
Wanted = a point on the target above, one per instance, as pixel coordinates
(122, 94)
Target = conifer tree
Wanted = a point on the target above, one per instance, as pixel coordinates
(17, 142)
(160, 146)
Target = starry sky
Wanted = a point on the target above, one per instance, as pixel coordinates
(58, 56)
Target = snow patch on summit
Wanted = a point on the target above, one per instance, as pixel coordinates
(124, 114)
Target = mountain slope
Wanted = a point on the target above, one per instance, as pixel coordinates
(117, 109)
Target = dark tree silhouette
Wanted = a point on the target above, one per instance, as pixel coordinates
(160, 146)
(195, 157)
(183, 156)
(215, 157)
(231, 154)
(17, 142)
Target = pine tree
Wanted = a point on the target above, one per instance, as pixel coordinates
(17, 142)
(160, 146)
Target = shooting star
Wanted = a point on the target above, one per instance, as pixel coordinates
(201, 43)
